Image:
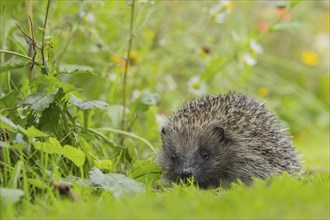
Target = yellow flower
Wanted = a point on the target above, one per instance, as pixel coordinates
(134, 57)
(263, 91)
(115, 58)
(229, 6)
(310, 58)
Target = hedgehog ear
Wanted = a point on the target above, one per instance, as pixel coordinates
(163, 132)
(220, 132)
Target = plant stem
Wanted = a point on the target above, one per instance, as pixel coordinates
(130, 135)
(2, 30)
(61, 56)
(29, 11)
(16, 54)
(123, 126)
(44, 64)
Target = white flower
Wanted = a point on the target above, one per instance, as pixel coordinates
(161, 121)
(136, 94)
(112, 76)
(196, 86)
(255, 47)
(215, 9)
(219, 18)
(249, 60)
(322, 42)
(227, 5)
(219, 11)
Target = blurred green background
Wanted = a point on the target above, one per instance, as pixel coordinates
(183, 49)
(275, 51)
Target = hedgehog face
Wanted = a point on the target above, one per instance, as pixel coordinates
(202, 154)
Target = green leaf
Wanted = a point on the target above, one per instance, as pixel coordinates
(33, 132)
(50, 147)
(37, 183)
(145, 171)
(9, 100)
(40, 101)
(146, 100)
(76, 69)
(7, 124)
(10, 196)
(104, 165)
(4, 144)
(74, 154)
(118, 184)
(12, 65)
(49, 83)
(50, 121)
(13, 146)
(55, 143)
(15, 175)
(17, 146)
(293, 3)
(86, 105)
(287, 26)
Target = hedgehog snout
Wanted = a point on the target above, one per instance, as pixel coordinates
(186, 173)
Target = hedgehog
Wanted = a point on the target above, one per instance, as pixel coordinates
(218, 140)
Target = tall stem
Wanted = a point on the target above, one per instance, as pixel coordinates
(29, 11)
(123, 127)
(44, 64)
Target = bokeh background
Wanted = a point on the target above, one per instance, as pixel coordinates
(276, 51)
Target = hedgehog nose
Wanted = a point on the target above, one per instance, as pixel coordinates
(186, 173)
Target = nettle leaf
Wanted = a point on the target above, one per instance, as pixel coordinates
(86, 105)
(41, 100)
(145, 171)
(34, 132)
(10, 196)
(76, 69)
(75, 155)
(117, 184)
(50, 121)
(49, 83)
(13, 65)
(9, 100)
(50, 147)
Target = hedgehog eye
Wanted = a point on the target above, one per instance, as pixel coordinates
(204, 154)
